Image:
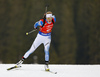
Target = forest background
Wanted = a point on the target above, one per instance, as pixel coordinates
(75, 35)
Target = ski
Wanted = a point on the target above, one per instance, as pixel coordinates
(13, 67)
(51, 72)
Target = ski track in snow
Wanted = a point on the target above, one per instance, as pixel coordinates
(37, 70)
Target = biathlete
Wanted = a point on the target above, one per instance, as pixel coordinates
(43, 37)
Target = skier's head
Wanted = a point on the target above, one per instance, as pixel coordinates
(49, 16)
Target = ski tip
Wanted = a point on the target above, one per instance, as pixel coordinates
(52, 72)
(13, 67)
(8, 69)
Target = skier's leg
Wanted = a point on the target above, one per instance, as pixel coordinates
(46, 50)
(35, 44)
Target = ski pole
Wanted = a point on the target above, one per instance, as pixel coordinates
(27, 33)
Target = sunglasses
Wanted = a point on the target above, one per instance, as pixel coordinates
(49, 18)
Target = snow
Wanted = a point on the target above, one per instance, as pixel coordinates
(37, 70)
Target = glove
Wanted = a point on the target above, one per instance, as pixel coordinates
(53, 16)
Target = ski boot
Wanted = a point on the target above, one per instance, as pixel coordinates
(46, 66)
(20, 62)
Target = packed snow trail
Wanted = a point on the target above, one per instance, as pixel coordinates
(37, 70)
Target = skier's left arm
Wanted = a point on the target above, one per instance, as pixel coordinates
(38, 23)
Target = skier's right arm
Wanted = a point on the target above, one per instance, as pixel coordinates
(38, 23)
